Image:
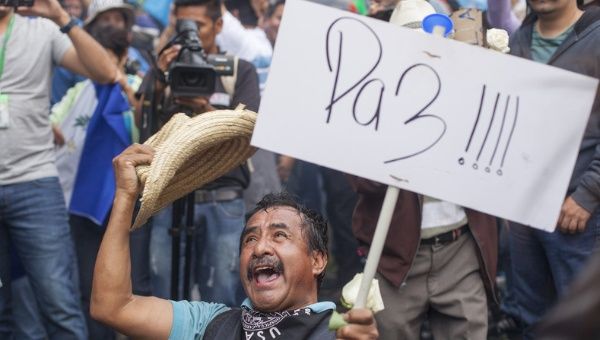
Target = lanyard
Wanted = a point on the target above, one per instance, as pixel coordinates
(5, 42)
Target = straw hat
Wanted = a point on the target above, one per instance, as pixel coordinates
(191, 152)
(98, 7)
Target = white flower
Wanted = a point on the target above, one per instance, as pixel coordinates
(497, 39)
(350, 293)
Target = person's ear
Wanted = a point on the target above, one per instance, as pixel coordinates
(218, 25)
(319, 262)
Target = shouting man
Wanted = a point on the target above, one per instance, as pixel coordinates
(283, 254)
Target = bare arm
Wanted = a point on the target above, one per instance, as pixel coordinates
(87, 57)
(113, 302)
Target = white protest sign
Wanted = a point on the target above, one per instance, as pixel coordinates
(460, 123)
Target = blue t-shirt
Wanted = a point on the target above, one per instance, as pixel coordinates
(190, 319)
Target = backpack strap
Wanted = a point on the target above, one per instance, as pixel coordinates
(229, 81)
(227, 325)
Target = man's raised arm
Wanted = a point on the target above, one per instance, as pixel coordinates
(113, 302)
(87, 57)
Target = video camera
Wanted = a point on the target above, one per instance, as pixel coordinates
(17, 3)
(194, 73)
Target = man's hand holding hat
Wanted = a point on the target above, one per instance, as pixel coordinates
(127, 182)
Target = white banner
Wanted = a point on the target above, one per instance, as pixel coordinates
(460, 123)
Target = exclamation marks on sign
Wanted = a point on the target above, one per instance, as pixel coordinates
(504, 134)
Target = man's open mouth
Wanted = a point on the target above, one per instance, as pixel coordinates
(265, 270)
(265, 274)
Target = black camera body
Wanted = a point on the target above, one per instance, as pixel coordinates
(17, 3)
(193, 73)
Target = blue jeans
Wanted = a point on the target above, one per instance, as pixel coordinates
(27, 321)
(508, 303)
(544, 264)
(34, 217)
(218, 225)
(161, 253)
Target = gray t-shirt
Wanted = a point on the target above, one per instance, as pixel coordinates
(26, 146)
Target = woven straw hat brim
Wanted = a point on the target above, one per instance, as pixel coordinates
(191, 152)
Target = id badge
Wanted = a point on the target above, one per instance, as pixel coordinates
(4, 115)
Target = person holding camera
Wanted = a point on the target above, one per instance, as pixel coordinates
(219, 206)
(32, 209)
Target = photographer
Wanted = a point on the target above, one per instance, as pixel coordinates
(219, 206)
(34, 217)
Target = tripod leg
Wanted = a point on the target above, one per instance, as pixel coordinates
(178, 208)
(189, 236)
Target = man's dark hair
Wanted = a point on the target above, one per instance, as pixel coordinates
(111, 38)
(213, 7)
(246, 13)
(314, 225)
(274, 6)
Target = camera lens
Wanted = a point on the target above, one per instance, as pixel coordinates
(194, 79)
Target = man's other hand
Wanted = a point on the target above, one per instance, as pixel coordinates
(573, 218)
(59, 138)
(127, 182)
(361, 325)
(197, 104)
(167, 57)
(285, 165)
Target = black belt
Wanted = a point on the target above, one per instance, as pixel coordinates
(447, 237)
(223, 194)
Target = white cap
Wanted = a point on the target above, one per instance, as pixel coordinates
(410, 13)
(98, 7)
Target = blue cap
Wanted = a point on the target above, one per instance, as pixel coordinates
(432, 20)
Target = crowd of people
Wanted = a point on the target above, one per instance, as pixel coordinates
(249, 255)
